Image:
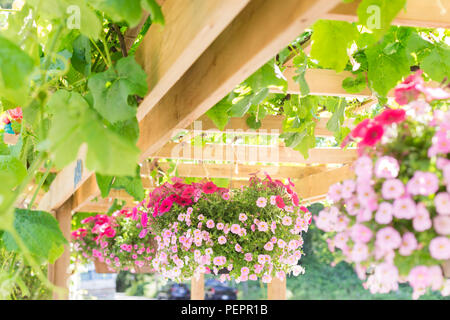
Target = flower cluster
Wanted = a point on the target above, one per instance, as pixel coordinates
(121, 241)
(243, 234)
(393, 221)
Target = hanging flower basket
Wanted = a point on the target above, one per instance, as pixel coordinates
(394, 218)
(118, 242)
(245, 234)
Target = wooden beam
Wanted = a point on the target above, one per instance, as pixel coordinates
(318, 184)
(66, 183)
(60, 269)
(252, 153)
(276, 289)
(167, 52)
(198, 287)
(257, 34)
(417, 13)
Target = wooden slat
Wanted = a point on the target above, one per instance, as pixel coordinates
(271, 124)
(417, 13)
(66, 183)
(198, 287)
(244, 170)
(167, 52)
(318, 184)
(324, 82)
(276, 289)
(253, 37)
(247, 153)
(60, 269)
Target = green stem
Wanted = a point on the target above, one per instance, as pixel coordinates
(101, 53)
(41, 182)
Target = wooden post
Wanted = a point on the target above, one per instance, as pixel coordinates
(198, 287)
(59, 271)
(276, 290)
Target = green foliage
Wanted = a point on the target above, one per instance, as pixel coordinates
(377, 15)
(74, 123)
(111, 89)
(331, 39)
(39, 232)
(131, 184)
(437, 63)
(17, 279)
(386, 68)
(354, 85)
(62, 11)
(129, 11)
(15, 70)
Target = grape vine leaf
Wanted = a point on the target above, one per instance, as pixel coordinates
(75, 123)
(337, 118)
(112, 88)
(16, 68)
(104, 184)
(330, 41)
(81, 57)
(385, 70)
(129, 11)
(219, 113)
(269, 75)
(437, 63)
(132, 184)
(39, 232)
(300, 61)
(354, 85)
(377, 15)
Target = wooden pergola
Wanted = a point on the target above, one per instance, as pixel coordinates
(205, 49)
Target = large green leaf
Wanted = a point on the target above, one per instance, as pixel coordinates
(74, 123)
(437, 63)
(15, 69)
(39, 232)
(269, 75)
(386, 70)
(112, 88)
(330, 42)
(377, 15)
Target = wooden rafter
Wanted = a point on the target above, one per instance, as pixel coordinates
(417, 13)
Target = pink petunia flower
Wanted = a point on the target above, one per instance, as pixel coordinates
(404, 208)
(440, 248)
(409, 244)
(392, 189)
